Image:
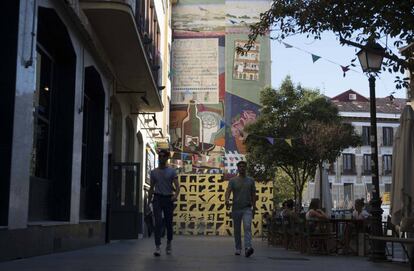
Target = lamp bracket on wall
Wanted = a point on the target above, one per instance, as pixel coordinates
(153, 116)
(154, 133)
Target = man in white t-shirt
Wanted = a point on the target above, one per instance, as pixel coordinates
(164, 190)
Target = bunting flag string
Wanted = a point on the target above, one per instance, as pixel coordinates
(271, 140)
(316, 57)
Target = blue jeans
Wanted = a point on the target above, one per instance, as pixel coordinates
(163, 204)
(245, 215)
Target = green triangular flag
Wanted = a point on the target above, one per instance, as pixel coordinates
(315, 58)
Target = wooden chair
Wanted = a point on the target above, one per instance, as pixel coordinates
(275, 235)
(319, 236)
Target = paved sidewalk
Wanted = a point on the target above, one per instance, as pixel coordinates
(192, 253)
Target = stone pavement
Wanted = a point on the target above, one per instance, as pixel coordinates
(192, 253)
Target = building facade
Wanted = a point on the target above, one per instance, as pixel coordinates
(350, 175)
(82, 85)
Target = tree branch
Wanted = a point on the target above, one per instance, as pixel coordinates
(393, 57)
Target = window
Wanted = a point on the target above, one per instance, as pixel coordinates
(366, 167)
(348, 195)
(386, 164)
(53, 120)
(366, 134)
(42, 108)
(388, 136)
(348, 164)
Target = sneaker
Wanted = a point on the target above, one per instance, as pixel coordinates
(238, 252)
(157, 252)
(168, 249)
(249, 251)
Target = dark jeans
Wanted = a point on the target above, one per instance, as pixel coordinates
(163, 205)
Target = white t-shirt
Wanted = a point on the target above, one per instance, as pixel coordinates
(361, 216)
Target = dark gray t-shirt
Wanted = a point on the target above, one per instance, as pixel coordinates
(162, 179)
(242, 189)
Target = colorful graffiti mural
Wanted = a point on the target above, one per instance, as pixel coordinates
(215, 90)
(201, 210)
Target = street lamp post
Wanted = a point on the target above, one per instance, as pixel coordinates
(370, 58)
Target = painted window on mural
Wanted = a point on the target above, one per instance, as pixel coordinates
(195, 71)
(246, 64)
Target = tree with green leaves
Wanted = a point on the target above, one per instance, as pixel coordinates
(296, 130)
(354, 22)
(283, 188)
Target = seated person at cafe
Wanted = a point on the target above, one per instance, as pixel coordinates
(289, 213)
(351, 229)
(314, 217)
(315, 213)
(359, 213)
(283, 209)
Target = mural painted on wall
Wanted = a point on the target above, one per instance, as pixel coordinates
(241, 13)
(197, 118)
(240, 112)
(246, 64)
(197, 137)
(207, 120)
(199, 15)
(201, 210)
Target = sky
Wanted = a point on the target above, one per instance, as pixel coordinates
(323, 74)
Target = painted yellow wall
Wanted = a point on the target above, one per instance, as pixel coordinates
(201, 210)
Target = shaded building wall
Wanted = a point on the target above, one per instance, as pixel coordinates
(9, 23)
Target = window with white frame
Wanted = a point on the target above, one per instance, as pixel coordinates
(348, 163)
(386, 164)
(387, 136)
(366, 164)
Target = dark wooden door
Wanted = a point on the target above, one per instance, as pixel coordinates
(124, 206)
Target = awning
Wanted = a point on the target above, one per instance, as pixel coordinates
(115, 27)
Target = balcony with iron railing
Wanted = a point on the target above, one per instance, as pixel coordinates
(150, 40)
(125, 35)
(348, 171)
(365, 171)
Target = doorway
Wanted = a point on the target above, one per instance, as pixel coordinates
(124, 194)
(92, 145)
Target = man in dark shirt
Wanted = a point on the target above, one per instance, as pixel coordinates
(164, 190)
(244, 206)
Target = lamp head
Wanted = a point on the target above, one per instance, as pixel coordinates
(371, 56)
